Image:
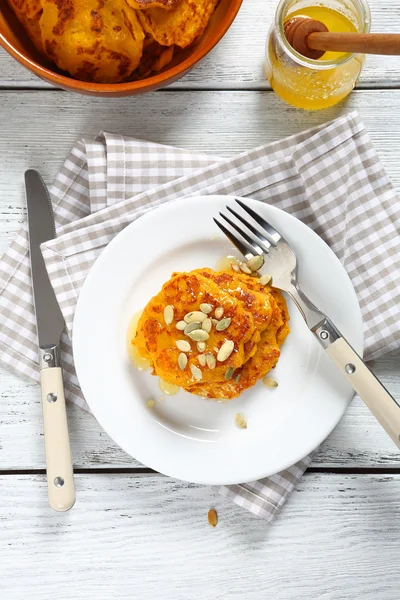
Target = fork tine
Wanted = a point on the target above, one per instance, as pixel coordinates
(243, 249)
(273, 235)
(251, 242)
(261, 240)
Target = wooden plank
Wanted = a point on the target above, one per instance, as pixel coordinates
(237, 61)
(215, 122)
(337, 537)
(357, 442)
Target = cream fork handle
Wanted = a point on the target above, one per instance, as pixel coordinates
(369, 388)
(60, 476)
(382, 405)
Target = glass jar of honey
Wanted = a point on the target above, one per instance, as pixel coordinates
(315, 84)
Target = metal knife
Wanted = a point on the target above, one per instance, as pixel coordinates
(50, 324)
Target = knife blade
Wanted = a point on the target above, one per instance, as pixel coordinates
(50, 324)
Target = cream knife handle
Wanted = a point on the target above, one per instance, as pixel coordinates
(60, 476)
(383, 406)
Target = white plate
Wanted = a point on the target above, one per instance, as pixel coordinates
(185, 436)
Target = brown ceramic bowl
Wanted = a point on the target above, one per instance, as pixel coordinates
(17, 43)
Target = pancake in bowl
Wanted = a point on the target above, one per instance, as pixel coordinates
(29, 13)
(154, 58)
(99, 41)
(179, 26)
(214, 334)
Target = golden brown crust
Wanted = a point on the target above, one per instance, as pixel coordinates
(31, 9)
(65, 15)
(143, 4)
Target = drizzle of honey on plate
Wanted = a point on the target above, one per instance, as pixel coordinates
(168, 388)
(224, 263)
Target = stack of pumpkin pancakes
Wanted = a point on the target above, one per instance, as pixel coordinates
(214, 334)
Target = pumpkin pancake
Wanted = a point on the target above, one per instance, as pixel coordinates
(154, 58)
(267, 352)
(156, 341)
(256, 325)
(179, 26)
(264, 359)
(29, 13)
(94, 40)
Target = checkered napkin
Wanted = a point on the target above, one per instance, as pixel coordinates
(329, 177)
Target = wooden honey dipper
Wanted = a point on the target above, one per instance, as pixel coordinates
(312, 39)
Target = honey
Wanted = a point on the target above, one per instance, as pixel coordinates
(168, 388)
(224, 263)
(315, 84)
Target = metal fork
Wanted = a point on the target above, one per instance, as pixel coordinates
(258, 237)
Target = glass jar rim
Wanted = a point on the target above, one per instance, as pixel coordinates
(310, 63)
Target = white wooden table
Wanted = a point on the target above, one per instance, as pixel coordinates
(136, 534)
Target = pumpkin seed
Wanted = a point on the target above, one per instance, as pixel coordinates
(225, 351)
(150, 403)
(245, 268)
(206, 308)
(192, 327)
(201, 346)
(264, 280)
(196, 372)
(168, 314)
(210, 360)
(198, 335)
(270, 382)
(237, 378)
(219, 312)
(240, 421)
(195, 315)
(223, 324)
(229, 373)
(255, 263)
(181, 325)
(183, 345)
(206, 325)
(202, 360)
(212, 517)
(182, 361)
(214, 321)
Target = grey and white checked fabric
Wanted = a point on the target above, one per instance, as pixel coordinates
(329, 177)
